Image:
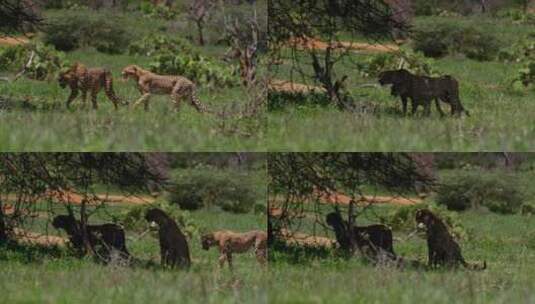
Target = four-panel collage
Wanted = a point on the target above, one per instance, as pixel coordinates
(267, 151)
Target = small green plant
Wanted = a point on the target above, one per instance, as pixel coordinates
(402, 218)
(134, 218)
(176, 56)
(412, 61)
(197, 68)
(150, 10)
(40, 61)
(154, 44)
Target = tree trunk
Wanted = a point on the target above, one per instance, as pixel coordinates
(83, 228)
(200, 32)
(350, 224)
(3, 234)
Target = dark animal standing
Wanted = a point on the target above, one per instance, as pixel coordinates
(443, 250)
(174, 250)
(378, 238)
(104, 239)
(422, 90)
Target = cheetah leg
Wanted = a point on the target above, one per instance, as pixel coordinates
(72, 96)
(439, 109)
(177, 99)
(84, 96)
(145, 99)
(94, 93)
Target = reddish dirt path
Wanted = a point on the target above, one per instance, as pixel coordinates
(70, 197)
(292, 87)
(13, 40)
(33, 238)
(313, 43)
(338, 198)
(302, 239)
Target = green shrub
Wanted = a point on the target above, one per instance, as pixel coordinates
(134, 218)
(499, 192)
(154, 44)
(46, 62)
(176, 56)
(150, 10)
(77, 30)
(444, 39)
(204, 187)
(414, 62)
(197, 68)
(402, 218)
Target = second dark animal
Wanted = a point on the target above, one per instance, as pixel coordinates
(422, 90)
(174, 250)
(378, 238)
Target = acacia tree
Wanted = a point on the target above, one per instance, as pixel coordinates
(294, 23)
(28, 178)
(298, 181)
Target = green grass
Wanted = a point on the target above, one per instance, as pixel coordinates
(506, 243)
(48, 126)
(51, 276)
(500, 119)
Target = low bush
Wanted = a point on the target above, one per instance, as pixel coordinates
(134, 218)
(45, 64)
(402, 218)
(412, 61)
(444, 39)
(497, 191)
(79, 29)
(203, 187)
(153, 44)
(176, 56)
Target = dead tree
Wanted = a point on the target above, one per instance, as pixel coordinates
(198, 12)
(244, 48)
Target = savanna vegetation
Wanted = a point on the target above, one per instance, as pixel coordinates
(307, 264)
(487, 46)
(219, 45)
(40, 265)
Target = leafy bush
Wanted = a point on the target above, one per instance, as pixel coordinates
(499, 192)
(154, 44)
(414, 62)
(134, 218)
(177, 56)
(77, 30)
(203, 187)
(150, 10)
(516, 16)
(518, 52)
(402, 218)
(197, 68)
(444, 39)
(45, 64)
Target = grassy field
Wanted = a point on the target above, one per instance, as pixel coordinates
(500, 119)
(506, 243)
(39, 120)
(32, 275)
